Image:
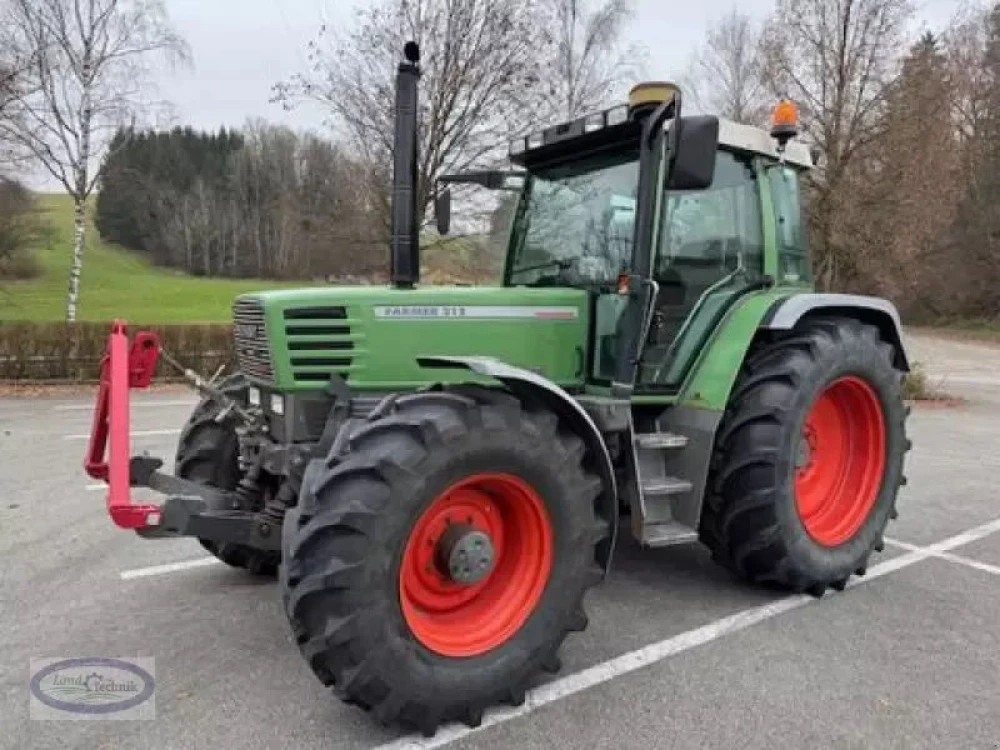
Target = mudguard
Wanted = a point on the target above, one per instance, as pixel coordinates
(787, 312)
(518, 379)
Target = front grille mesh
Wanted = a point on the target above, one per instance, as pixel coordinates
(250, 337)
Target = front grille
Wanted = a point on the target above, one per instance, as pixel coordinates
(250, 337)
(320, 341)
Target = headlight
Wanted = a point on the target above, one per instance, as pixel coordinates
(253, 396)
(278, 404)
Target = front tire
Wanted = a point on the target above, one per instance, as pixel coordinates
(808, 459)
(377, 614)
(208, 453)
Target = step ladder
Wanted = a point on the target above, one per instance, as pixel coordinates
(654, 522)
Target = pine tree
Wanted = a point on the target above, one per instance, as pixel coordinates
(911, 194)
(976, 231)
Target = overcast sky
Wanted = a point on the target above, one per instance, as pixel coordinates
(239, 54)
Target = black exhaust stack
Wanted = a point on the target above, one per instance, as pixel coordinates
(405, 261)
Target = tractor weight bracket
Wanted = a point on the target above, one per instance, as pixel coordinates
(190, 508)
(122, 368)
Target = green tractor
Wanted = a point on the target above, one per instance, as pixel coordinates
(437, 475)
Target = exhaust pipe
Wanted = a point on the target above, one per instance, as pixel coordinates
(405, 260)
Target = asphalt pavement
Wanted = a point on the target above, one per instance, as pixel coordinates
(677, 655)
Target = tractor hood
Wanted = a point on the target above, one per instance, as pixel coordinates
(292, 340)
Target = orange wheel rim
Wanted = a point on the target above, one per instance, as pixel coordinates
(467, 619)
(840, 466)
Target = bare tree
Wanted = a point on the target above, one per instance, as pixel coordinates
(588, 65)
(965, 41)
(724, 76)
(88, 68)
(480, 81)
(836, 58)
(16, 61)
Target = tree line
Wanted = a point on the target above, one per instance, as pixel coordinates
(261, 202)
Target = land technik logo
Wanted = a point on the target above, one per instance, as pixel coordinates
(90, 688)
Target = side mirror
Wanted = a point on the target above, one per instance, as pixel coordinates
(442, 211)
(697, 145)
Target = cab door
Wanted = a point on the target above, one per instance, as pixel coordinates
(710, 248)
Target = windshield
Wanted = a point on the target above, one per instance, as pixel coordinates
(577, 221)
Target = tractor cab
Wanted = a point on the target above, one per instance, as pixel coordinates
(655, 214)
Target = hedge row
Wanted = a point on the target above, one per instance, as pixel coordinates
(71, 352)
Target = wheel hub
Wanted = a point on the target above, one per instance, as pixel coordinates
(476, 564)
(465, 554)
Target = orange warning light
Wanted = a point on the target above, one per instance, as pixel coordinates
(785, 120)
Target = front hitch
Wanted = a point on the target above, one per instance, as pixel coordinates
(121, 369)
(191, 508)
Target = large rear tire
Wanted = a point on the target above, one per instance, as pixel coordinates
(208, 452)
(808, 459)
(377, 614)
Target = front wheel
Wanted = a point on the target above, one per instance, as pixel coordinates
(208, 453)
(809, 458)
(439, 557)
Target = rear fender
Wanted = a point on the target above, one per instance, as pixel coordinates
(520, 381)
(786, 313)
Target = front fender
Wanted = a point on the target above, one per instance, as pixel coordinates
(518, 381)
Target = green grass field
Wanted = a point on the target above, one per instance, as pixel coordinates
(114, 283)
(119, 284)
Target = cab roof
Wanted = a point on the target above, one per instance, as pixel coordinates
(612, 129)
(736, 135)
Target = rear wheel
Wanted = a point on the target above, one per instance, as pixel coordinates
(208, 452)
(809, 458)
(439, 557)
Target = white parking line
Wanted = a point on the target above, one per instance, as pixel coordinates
(969, 562)
(648, 655)
(156, 570)
(134, 433)
(985, 567)
(96, 487)
(134, 403)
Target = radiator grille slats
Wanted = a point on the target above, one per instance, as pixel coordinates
(250, 338)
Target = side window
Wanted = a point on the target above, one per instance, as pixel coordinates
(793, 249)
(712, 230)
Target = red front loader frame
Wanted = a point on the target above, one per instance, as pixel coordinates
(121, 370)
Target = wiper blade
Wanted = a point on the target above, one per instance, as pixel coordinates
(562, 264)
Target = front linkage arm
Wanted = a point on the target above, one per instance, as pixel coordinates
(191, 509)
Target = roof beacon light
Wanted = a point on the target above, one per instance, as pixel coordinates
(784, 122)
